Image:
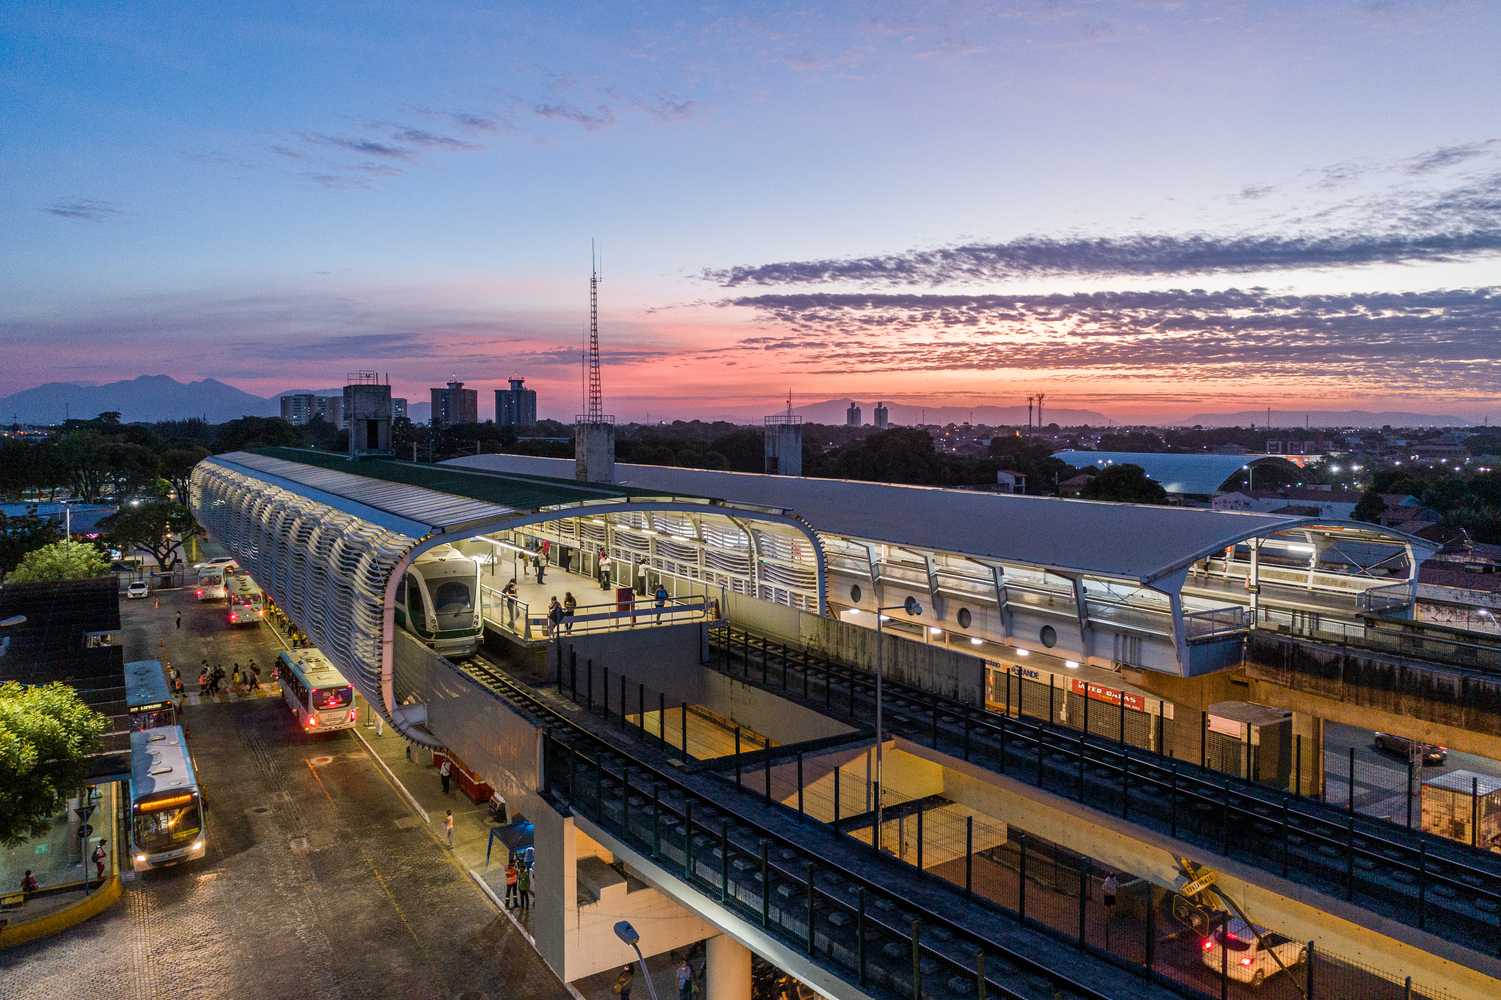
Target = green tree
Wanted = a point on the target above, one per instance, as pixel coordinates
(898, 455)
(63, 560)
(151, 525)
(46, 732)
(176, 467)
(1126, 484)
(1370, 507)
(23, 533)
(256, 432)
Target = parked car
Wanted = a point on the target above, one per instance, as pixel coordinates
(1426, 753)
(1251, 952)
(138, 588)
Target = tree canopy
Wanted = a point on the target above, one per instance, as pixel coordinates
(150, 526)
(46, 731)
(23, 533)
(1126, 484)
(63, 560)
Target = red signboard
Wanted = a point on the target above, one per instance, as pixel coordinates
(1098, 692)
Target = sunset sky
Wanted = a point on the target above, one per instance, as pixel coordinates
(1142, 208)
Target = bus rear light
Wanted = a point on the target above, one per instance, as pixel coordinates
(312, 720)
(1208, 944)
(351, 715)
(200, 593)
(234, 618)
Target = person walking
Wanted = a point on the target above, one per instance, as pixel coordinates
(604, 570)
(512, 876)
(641, 578)
(570, 604)
(524, 887)
(623, 982)
(1110, 887)
(446, 773)
(179, 619)
(101, 857)
(554, 618)
(448, 827)
(255, 672)
(685, 980)
(234, 679)
(203, 683)
(660, 599)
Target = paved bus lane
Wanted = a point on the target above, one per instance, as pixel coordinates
(319, 880)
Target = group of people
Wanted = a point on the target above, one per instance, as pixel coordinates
(518, 885)
(211, 678)
(687, 978)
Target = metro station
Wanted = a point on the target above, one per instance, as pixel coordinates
(831, 723)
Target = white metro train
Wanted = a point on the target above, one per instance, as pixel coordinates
(438, 601)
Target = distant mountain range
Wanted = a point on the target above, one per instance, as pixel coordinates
(1319, 418)
(833, 412)
(151, 398)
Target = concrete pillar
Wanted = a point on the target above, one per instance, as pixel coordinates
(594, 452)
(1311, 729)
(727, 969)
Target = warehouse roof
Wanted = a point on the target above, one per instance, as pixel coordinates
(1200, 475)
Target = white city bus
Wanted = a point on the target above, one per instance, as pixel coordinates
(318, 695)
(211, 583)
(166, 804)
(246, 603)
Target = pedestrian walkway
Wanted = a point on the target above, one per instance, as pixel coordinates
(420, 784)
(59, 860)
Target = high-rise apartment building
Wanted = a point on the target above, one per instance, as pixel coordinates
(881, 417)
(297, 408)
(398, 408)
(331, 409)
(516, 405)
(455, 405)
(852, 415)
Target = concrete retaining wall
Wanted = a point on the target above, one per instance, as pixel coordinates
(1458, 700)
(664, 658)
(754, 708)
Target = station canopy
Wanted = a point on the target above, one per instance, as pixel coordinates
(1138, 542)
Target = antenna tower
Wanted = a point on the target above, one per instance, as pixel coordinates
(1039, 413)
(596, 393)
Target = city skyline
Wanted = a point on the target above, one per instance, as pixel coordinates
(1145, 210)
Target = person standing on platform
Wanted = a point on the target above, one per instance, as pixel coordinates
(660, 599)
(524, 887)
(570, 604)
(511, 879)
(554, 618)
(1110, 887)
(539, 566)
(446, 773)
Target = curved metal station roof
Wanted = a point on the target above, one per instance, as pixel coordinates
(1199, 475)
(1130, 541)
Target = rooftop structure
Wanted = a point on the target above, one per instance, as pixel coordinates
(1191, 475)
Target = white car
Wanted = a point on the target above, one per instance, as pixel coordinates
(138, 588)
(1254, 953)
(217, 561)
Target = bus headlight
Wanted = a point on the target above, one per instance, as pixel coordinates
(197, 845)
(141, 858)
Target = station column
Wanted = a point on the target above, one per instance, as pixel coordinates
(727, 969)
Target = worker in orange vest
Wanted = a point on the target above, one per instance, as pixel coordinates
(511, 885)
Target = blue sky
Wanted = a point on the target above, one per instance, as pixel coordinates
(415, 190)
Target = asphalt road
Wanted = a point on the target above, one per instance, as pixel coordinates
(319, 881)
(1380, 776)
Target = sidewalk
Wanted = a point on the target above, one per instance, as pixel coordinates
(59, 864)
(418, 782)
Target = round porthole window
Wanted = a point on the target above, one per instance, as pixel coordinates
(1049, 636)
(965, 618)
(855, 593)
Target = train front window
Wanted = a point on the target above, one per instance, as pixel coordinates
(167, 824)
(330, 698)
(452, 597)
(414, 598)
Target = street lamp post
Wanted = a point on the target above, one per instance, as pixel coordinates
(913, 609)
(627, 933)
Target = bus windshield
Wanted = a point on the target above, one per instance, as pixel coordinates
(166, 824)
(325, 698)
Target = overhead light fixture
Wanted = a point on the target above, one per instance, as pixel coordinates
(975, 640)
(1301, 548)
(935, 631)
(1071, 664)
(596, 520)
(1023, 652)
